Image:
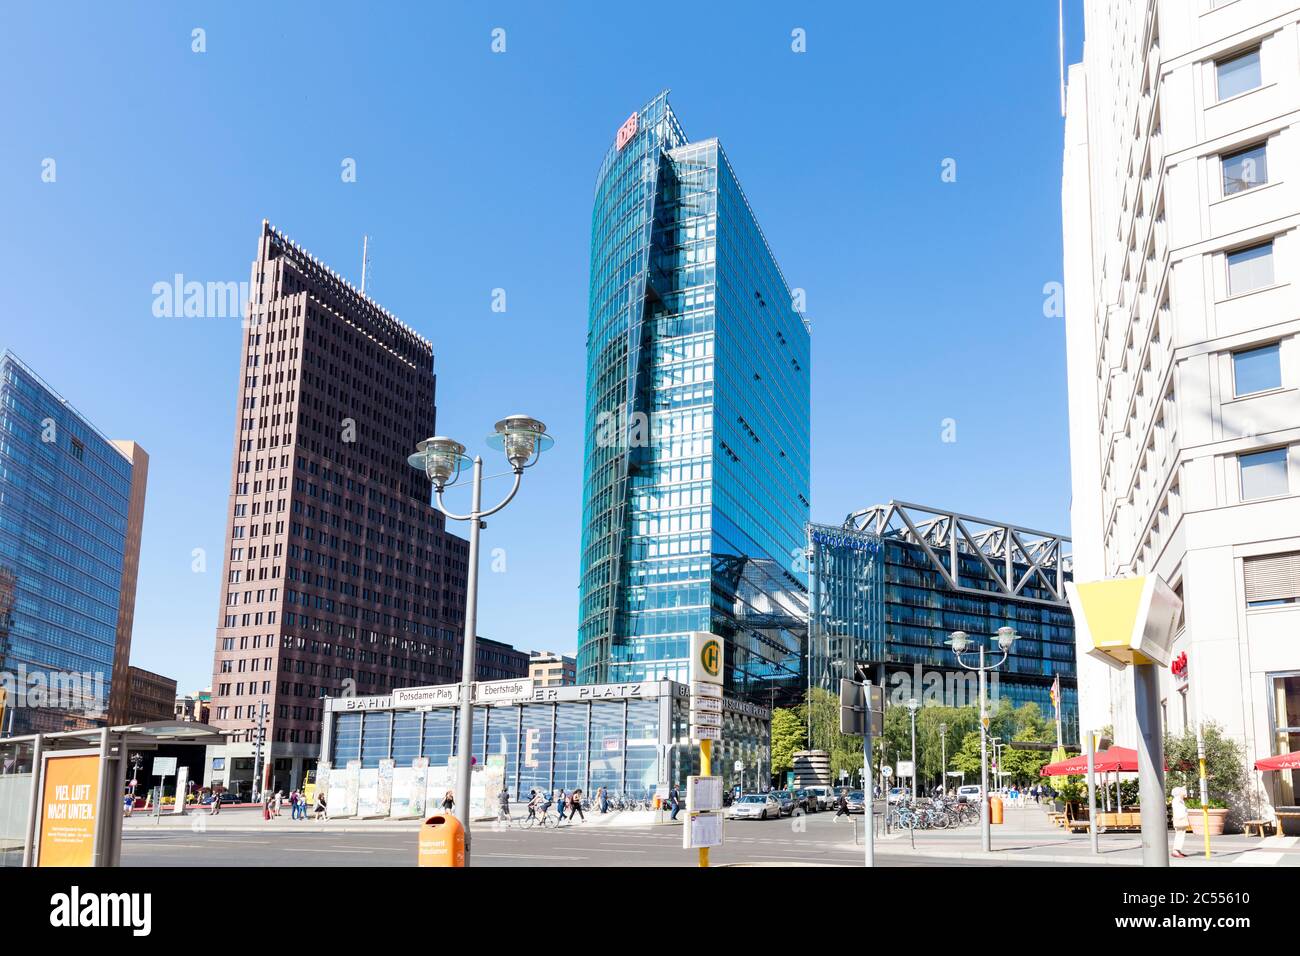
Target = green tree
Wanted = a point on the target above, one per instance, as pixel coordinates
(1224, 765)
(787, 737)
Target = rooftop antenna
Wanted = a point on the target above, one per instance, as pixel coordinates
(365, 261)
(1060, 47)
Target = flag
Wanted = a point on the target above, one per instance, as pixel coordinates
(1056, 693)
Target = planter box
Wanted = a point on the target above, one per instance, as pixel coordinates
(1197, 820)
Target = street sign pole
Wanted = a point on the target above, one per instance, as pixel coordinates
(703, 826)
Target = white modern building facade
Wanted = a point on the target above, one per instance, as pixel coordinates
(1181, 208)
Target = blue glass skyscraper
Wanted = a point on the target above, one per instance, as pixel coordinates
(696, 484)
(71, 503)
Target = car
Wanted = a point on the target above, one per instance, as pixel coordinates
(787, 802)
(968, 792)
(857, 801)
(825, 797)
(898, 794)
(754, 806)
(806, 800)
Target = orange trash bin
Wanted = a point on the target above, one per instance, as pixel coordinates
(995, 809)
(442, 842)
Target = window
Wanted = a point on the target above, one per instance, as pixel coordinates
(1272, 580)
(1263, 474)
(1238, 74)
(1257, 370)
(1245, 169)
(1250, 269)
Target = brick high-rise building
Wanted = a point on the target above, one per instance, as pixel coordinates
(339, 575)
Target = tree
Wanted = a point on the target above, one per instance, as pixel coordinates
(787, 737)
(1224, 765)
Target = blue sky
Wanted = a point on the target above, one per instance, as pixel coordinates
(474, 171)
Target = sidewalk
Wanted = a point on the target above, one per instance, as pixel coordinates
(1028, 836)
(240, 819)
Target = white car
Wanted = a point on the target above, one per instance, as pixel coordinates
(755, 806)
(969, 793)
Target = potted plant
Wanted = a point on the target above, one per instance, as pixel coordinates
(1072, 798)
(1218, 814)
(1225, 773)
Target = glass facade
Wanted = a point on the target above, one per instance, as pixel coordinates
(64, 504)
(696, 485)
(629, 738)
(879, 600)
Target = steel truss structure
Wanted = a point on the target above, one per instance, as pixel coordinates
(1015, 558)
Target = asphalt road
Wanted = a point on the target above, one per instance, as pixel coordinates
(815, 839)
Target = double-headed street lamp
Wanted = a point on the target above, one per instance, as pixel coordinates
(523, 440)
(960, 642)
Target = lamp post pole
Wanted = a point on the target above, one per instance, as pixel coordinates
(522, 439)
(986, 831)
(911, 707)
(960, 641)
(943, 750)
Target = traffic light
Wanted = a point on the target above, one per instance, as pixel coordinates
(852, 708)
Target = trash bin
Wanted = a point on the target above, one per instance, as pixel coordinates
(995, 809)
(442, 842)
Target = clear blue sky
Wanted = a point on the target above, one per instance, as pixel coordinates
(475, 171)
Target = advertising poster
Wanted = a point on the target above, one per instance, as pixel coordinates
(182, 785)
(419, 785)
(368, 793)
(69, 811)
(400, 806)
(384, 803)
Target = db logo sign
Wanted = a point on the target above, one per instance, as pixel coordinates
(626, 132)
(1179, 666)
(711, 657)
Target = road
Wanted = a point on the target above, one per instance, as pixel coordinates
(815, 839)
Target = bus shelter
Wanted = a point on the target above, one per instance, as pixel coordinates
(61, 793)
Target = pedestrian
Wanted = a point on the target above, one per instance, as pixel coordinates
(321, 810)
(216, 801)
(1180, 820)
(266, 805)
(448, 802)
(674, 801)
(128, 804)
(602, 798)
(575, 806)
(293, 804)
(532, 804)
(503, 804)
(841, 807)
(560, 801)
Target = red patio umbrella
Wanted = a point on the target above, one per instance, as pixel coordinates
(1121, 759)
(1289, 761)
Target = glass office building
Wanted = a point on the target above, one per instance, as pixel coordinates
(67, 548)
(890, 586)
(696, 487)
(631, 738)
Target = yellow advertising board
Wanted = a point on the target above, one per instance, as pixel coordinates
(1125, 621)
(69, 810)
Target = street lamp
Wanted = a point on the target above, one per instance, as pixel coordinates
(522, 440)
(960, 642)
(913, 705)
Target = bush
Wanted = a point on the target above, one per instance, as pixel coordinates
(1224, 768)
